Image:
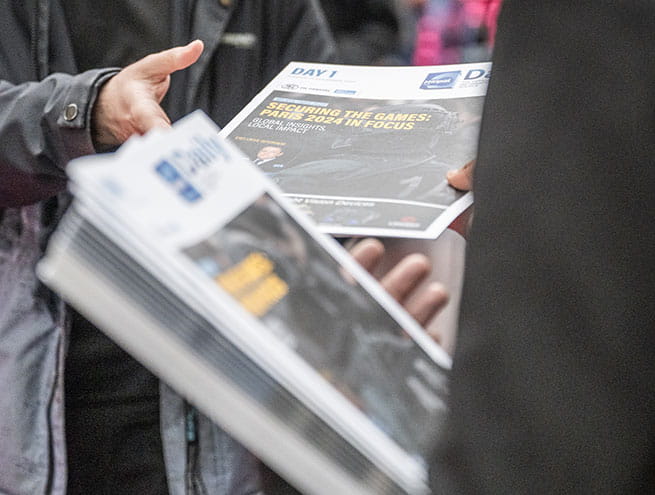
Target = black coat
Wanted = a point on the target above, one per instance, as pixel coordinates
(554, 376)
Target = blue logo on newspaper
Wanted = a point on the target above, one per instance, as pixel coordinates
(441, 80)
(183, 187)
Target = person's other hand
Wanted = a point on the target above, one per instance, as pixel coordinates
(128, 103)
(462, 178)
(403, 279)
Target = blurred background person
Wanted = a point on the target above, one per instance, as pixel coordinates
(367, 32)
(454, 31)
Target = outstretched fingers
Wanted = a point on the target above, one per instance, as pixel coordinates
(404, 281)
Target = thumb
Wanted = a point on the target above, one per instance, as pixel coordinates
(160, 65)
(462, 179)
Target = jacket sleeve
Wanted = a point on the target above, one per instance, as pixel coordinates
(43, 125)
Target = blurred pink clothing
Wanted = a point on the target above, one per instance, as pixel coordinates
(454, 31)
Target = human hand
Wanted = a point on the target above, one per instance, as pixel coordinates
(128, 103)
(402, 280)
(462, 178)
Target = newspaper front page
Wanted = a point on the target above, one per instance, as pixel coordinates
(365, 150)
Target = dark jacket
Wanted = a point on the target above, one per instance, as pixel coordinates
(367, 32)
(246, 43)
(553, 385)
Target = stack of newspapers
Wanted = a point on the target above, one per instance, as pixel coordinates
(196, 263)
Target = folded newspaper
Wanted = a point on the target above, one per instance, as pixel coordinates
(365, 150)
(191, 259)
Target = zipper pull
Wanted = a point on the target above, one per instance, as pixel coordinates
(191, 421)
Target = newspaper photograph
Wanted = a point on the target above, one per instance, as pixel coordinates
(365, 150)
(302, 295)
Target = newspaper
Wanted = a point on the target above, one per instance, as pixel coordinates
(365, 150)
(186, 255)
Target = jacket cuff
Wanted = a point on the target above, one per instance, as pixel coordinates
(74, 112)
